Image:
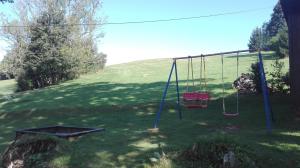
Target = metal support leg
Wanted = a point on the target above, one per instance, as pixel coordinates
(162, 102)
(265, 94)
(177, 90)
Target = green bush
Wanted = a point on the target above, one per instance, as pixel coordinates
(23, 83)
(6, 76)
(276, 82)
(255, 75)
(286, 79)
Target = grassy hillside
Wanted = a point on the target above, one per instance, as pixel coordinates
(124, 99)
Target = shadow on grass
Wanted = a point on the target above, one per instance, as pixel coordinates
(97, 94)
(128, 110)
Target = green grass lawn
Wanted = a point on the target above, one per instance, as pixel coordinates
(124, 99)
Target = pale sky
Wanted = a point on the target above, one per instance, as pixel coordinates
(125, 43)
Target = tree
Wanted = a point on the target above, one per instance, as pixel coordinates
(280, 43)
(6, 68)
(265, 37)
(291, 10)
(255, 41)
(4, 1)
(44, 64)
(277, 31)
(273, 34)
(33, 41)
(277, 21)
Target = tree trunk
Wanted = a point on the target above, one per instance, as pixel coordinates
(291, 9)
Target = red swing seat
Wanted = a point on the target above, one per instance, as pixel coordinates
(190, 96)
(195, 99)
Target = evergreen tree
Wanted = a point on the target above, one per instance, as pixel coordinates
(273, 34)
(280, 43)
(277, 21)
(278, 32)
(56, 43)
(44, 64)
(255, 41)
(4, 1)
(265, 37)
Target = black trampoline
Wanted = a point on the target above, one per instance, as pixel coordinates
(58, 131)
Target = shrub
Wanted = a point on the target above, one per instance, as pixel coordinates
(23, 83)
(276, 82)
(286, 79)
(255, 74)
(5, 76)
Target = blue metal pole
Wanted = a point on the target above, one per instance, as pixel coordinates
(162, 102)
(265, 94)
(177, 90)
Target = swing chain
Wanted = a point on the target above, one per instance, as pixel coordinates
(223, 88)
(204, 74)
(237, 76)
(223, 84)
(192, 68)
(200, 84)
(188, 76)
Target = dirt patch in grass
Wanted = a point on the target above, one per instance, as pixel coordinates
(213, 153)
(29, 151)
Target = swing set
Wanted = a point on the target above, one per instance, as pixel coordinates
(199, 98)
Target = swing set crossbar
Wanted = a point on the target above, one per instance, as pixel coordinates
(214, 54)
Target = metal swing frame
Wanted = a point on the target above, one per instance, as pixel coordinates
(267, 107)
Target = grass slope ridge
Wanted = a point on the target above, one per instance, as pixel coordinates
(124, 99)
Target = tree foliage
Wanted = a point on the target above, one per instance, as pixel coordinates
(256, 39)
(255, 75)
(272, 35)
(277, 21)
(277, 82)
(6, 68)
(53, 41)
(4, 1)
(43, 63)
(280, 43)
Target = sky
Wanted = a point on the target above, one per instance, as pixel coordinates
(130, 42)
